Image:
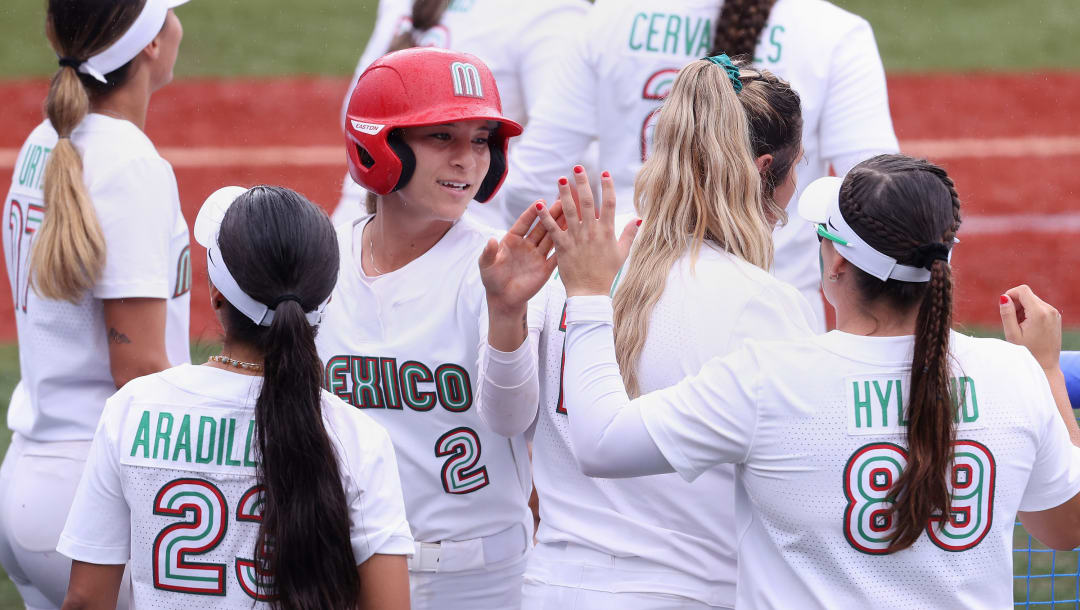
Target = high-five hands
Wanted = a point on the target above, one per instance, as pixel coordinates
(589, 255)
(515, 268)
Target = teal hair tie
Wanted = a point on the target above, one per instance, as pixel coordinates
(732, 70)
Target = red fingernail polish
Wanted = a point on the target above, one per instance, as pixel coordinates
(606, 174)
(578, 169)
(1004, 300)
(539, 207)
(563, 181)
(639, 222)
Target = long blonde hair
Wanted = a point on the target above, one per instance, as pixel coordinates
(700, 182)
(69, 253)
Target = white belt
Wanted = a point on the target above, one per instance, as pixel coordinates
(461, 555)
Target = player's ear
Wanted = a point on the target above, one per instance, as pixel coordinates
(833, 264)
(763, 162)
(216, 300)
(153, 49)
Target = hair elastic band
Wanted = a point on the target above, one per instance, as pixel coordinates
(732, 70)
(286, 297)
(927, 254)
(69, 62)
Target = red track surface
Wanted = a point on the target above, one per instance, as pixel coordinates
(304, 111)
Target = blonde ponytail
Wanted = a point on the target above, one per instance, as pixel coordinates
(699, 182)
(69, 252)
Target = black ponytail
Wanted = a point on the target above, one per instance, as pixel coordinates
(276, 243)
(908, 208)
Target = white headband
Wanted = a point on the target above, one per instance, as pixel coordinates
(127, 47)
(819, 204)
(207, 226)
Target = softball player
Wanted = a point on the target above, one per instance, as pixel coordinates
(614, 76)
(659, 542)
(241, 481)
(879, 465)
(97, 256)
(519, 41)
(401, 338)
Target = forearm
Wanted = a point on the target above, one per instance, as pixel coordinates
(1061, 399)
(509, 388)
(609, 436)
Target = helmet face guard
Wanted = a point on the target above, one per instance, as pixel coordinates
(414, 88)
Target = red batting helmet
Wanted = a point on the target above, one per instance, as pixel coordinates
(412, 88)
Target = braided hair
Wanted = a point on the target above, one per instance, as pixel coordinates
(909, 209)
(739, 27)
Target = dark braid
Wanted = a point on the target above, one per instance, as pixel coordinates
(426, 14)
(739, 27)
(897, 205)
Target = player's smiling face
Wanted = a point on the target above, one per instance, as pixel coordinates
(451, 162)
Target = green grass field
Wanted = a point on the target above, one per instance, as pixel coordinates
(274, 37)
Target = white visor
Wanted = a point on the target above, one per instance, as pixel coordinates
(141, 33)
(819, 204)
(207, 226)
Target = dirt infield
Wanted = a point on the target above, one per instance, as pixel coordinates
(1010, 141)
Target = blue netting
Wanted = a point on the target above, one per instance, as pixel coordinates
(1043, 578)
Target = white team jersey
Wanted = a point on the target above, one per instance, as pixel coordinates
(519, 42)
(404, 347)
(615, 76)
(63, 348)
(685, 529)
(170, 484)
(817, 433)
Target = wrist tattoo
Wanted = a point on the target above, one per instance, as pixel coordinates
(118, 337)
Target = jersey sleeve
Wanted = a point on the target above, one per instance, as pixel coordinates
(509, 382)
(98, 527)
(376, 503)
(562, 124)
(136, 206)
(855, 122)
(707, 419)
(1055, 475)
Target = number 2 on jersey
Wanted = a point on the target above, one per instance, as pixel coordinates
(460, 475)
(873, 469)
(205, 512)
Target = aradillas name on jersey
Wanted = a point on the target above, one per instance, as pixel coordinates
(205, 440)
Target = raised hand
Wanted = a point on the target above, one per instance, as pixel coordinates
(515, 268)
(1033, 323)
(589, 255)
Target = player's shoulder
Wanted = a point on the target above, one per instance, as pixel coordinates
(119, 137)
(818, 16)
(717, 271)
(353, 430)
(43, 135)
(990, 354)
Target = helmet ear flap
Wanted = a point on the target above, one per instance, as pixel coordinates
(395, 139)
(496, 169)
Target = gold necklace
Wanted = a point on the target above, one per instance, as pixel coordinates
(240, 364)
